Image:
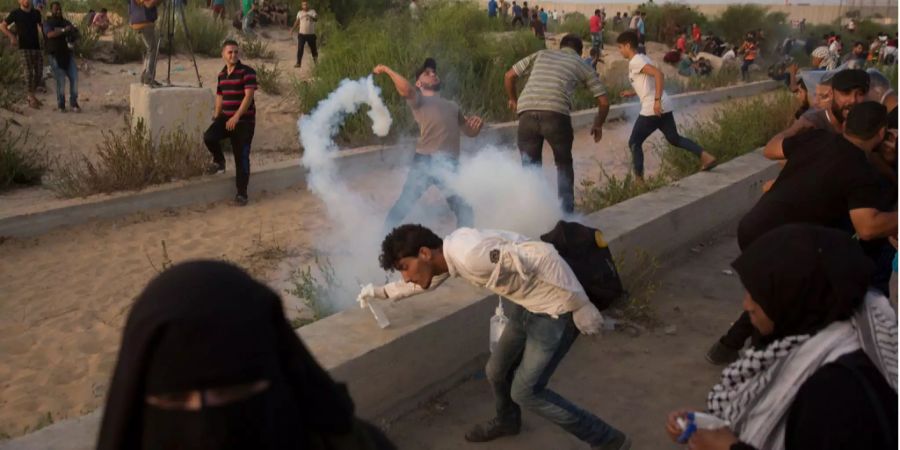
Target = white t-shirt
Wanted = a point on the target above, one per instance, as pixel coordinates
(644, 85)
(307, 22)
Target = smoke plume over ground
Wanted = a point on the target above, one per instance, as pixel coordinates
(503, 194)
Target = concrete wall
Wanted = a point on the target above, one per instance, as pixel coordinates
(170, 108)
(437, 339)
(285, 174)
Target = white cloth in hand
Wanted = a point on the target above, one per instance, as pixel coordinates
(588, 319)
(370, 292)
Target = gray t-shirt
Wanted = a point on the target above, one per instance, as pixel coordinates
(439, 125)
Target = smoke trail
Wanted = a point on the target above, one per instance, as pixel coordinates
(502, 193)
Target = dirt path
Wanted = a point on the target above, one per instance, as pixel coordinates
(64, 295)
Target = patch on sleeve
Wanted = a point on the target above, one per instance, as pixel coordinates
(495, 256)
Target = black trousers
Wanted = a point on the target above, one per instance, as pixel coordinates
(302, 40)
(556, 128)
(241, 138)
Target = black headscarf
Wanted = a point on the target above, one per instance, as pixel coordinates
(804, 277)
(203, 325)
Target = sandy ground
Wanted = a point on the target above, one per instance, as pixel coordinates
(103, 91)
(64, 295)
(630, 382)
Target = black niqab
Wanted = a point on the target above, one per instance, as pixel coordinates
(804, 277)
(203, 325)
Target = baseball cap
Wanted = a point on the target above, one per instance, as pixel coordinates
(850, 79)
(428, 64)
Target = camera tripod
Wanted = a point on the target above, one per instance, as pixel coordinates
(173, 11)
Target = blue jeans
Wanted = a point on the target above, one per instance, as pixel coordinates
(645, 126)
(60, 76)
(425, 172)
(530, 349)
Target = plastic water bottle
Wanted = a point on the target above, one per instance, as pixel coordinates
(498, 323)
(698, 421)
(379, 314)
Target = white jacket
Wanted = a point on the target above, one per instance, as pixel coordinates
(527, 272)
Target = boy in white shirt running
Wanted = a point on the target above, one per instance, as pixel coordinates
(547, 309)
(647, 82)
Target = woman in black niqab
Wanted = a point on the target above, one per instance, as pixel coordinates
(206, 330)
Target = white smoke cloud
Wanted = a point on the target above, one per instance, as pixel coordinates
(502, 193)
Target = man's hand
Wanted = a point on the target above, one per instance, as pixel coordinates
(232, 122)
(657, 107)
(370, 292)
(474, 124)
(672, 428)
(14, 41)
(588, 319)
(380, 69)
(627, 93)
(597, 132)
(513, 105)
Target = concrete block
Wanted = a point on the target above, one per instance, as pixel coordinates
(168, 108)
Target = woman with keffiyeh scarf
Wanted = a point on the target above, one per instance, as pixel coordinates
(824, 376)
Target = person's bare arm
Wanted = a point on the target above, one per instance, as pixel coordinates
(871, 223)
(774, 149)
(509, 84)
(600, 118)
(403, 86)
(658, 76)
(5, 29)
(296, 25)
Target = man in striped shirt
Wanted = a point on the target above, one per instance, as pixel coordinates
(234, 118)
(545, 105)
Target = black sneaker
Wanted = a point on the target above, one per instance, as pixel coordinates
(240, 200)
(619, 442)
(215, 168)
(720, 354)
(61, 108)
(491, 430)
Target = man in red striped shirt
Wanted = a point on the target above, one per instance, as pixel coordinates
(234, 118)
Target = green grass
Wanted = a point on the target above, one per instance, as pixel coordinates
(127, 160)
(127, 45)
(12, 82)
(575, 23)
(732, 131)
(471, 64)
(268, 78)
(312, 288)
(23, 160)
(257, 49)
(88, 43)
(206, 33)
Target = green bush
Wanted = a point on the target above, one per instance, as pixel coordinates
(732, 131)
(734, 23)
(207, 34)
(127, 45)
(12, 82)
(23, 161)
(268, 78)
(471, 64)
(88, 43)
(127, 160)
(577, 24)
(256, 48)
(665, 21)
